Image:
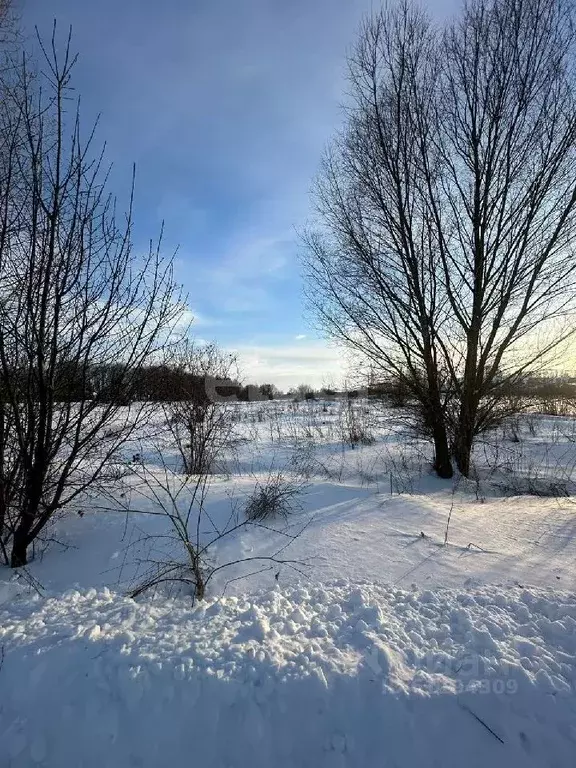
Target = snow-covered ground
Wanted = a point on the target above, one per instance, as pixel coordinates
(419, 622)
(339, 675)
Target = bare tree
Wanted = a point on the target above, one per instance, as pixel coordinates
(74, 295)
(268, 391)
(303, 392)
(449, 204)
(199, 415)
(10, 35)
(505, 204)
(373, 270)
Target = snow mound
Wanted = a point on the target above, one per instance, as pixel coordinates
(328, 675)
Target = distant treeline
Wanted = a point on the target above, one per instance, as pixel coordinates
(117, 383)
(546, 387)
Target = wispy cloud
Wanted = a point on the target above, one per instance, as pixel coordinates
(226, 123)
(201, 320)
(246, 275)
(287, 365)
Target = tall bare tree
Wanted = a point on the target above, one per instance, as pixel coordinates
(448, 207)
(506, 202)
(74, 295)
(373, 270)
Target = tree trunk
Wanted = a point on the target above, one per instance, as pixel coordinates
(436, 414)
(19, 554)
(471, 385)
(442, 462)
(464, 438)
(27, 528)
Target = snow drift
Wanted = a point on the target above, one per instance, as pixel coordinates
(329, 675)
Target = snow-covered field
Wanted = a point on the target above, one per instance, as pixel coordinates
(390, 619)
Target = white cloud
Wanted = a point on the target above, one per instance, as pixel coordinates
(314, 362)
(244, 274)
(199, 319)
(300, 336)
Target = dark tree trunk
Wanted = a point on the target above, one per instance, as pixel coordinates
(464, 438)
(19, 554)
(442, 460)
(466, 426)
(472, 382)
(436, 413)
(30, 522)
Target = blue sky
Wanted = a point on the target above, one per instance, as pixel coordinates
(225, 107)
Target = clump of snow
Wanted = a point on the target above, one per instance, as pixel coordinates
(311, 675)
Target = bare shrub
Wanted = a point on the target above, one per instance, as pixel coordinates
(303, 459)
(405, 465)
(512, 429)
(532, 485)
(274, 497)
(532, 425)
(513, 470)
(356, 426)
(185, 553)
